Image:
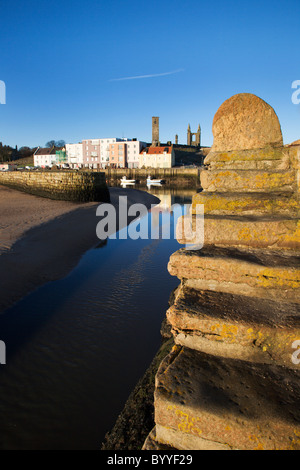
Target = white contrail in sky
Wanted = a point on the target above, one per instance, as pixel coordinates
(146, 76)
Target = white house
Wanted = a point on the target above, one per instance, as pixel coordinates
(134, 148)
(157, 157)
(44, 157)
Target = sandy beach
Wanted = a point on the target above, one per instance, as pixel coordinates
(42, 240)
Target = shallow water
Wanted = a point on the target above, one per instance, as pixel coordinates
(76, 347)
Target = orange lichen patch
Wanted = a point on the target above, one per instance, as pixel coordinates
(258, 232)
(265, 343)
(186, 423)
(283, 278)
(264, 154)
(245, 203)
(248, 181)
(231, 432)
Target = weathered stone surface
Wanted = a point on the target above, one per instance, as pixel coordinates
(252, 273)
(62, 185)
(152, 442)
(235, 326)
(255, 232)
(233, 403)
(247, 204)
(230, 382)
(245, 121)
(293, 151)
(185, 441)
(248, 181)
(257, 159)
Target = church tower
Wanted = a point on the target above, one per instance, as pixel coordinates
(155, 131)
(198, 136)
(189, 136)
(194, 138)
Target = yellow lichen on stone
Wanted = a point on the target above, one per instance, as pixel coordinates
(284, 278)
(188, 423)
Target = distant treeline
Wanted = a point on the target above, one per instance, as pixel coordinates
(8, 153)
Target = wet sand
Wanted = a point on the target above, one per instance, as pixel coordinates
(42, 240)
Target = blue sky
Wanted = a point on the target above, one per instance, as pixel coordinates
(61, 60)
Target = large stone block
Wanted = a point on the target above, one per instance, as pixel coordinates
(257, 159)
(235, 326)
(246, 204)
(251, 273)
(256, 232)
(228, 402)
(245, 121)
(248, 181)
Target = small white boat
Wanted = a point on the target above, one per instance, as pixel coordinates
(151, 181)
(124, 180)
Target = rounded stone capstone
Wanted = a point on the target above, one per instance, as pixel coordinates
(245, 121)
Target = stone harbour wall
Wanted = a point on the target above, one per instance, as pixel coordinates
(171, 176)
(63, 185)
(230, 381)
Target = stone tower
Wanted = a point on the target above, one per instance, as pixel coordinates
(155, 131)
(191, 141)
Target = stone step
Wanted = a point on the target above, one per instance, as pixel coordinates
(236, 326)
(252, 273)
(246, 204)
(253, 159)
(229, 402)
(152, 443)
(248, 180)
(181, 441)
(256, 232)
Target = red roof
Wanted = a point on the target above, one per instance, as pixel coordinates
(156, 150)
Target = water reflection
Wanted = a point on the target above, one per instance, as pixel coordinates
(76, 347)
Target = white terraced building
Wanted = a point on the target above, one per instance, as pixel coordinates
(96, 151)
(74, 154)
(133, 151)
(157, 157)
(92, 153)
(44, 157)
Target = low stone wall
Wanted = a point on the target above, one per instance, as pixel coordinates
(63, 185)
